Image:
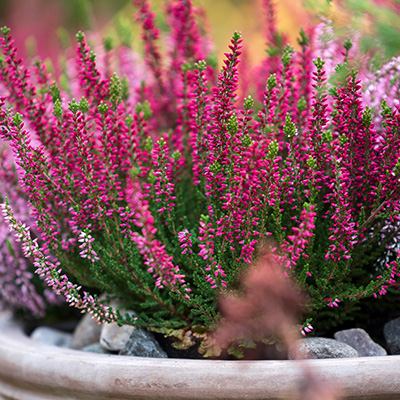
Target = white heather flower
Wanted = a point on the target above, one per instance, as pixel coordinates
(86, 246)
(306, 329)
(332, 303)
(52, 276)
(184, 238)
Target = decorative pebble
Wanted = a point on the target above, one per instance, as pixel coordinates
(361, 341)
(52, 337)
(320, 348)
(86, 332)
(391, 331)
(142, 344)
(113, 337)
(95, 348)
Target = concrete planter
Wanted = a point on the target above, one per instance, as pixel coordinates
(33, 371)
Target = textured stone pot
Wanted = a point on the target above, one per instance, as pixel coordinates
(33, 371)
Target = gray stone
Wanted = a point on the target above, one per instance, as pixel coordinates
(95, 348)
(86, 332)
(142, 344)
(52, 337)
(361, 341)
(391, 331)
(113, 337)
(320, 348)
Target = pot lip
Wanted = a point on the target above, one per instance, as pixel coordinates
(63, 373)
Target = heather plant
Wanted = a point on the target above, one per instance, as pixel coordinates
(16, 288)
(377, 20)
(162, 195)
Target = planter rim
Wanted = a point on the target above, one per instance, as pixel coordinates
(35, 371)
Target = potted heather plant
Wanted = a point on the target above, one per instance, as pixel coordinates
(161, 188)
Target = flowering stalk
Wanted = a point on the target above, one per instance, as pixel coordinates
(51, 272)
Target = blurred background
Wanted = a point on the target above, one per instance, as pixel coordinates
(36, 24)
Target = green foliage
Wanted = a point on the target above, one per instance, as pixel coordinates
(233, 125)
(57, 111)
(319, 63)
(103, 108)
(108, 43)
(124, 30)
(5, 30)
(55, 93)
(367, 117)
(73, 106)
(17, 119)
(115, 91)
(246, 141)
(201, 65)
(80, 36)
(144, 109)
(348, 44)
(273, 149)
(302, 104)
(236, 36)
(287, 55)
(312, 162)
(289, 128)
(304, 40)
(327, 136)
(83, 105)
(248, 103)
(271, 82)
